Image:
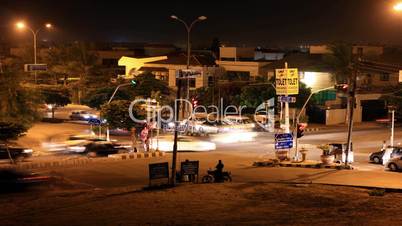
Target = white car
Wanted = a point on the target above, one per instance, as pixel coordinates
(82, 115)
(183, 144)
(239, 122)
(394, 164)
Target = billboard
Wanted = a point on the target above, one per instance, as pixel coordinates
(287, 81)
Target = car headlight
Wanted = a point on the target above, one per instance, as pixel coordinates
(27, 151)
(86, 116)
(171, 124)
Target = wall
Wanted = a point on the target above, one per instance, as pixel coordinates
(338, 116)
(255, 68)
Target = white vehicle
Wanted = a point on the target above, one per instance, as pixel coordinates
(394, 164)
(239, 122)
(82, 115)
(183, 144)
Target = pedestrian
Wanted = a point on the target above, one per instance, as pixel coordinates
(384, 145)
(145, 137)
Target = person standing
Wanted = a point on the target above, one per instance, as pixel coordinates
(134, 139)
(145, 137)
(219, 171)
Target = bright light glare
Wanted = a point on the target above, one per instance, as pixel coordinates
(20, 25)
(234, 137)
(48, 25)
(398, 6)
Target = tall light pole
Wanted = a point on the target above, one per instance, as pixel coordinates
(21, 25)
(174, 156)
(188, 29)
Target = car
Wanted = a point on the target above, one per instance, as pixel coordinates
(82, 115)
(381, 157)
(376, 157)
(12, 180)
(184, 144)
(211, 127)
(18, 154)
(394, 164)
(239, 122)
(97, 148)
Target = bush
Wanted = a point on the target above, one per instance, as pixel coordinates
(52, 120)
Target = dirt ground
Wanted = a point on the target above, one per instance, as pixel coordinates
(202, 204)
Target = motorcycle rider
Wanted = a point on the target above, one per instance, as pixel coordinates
(219, 171)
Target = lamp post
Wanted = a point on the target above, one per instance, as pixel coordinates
(188, 29)
(21, 25)
(296, 157)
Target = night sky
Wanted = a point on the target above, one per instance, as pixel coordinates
(251, 23)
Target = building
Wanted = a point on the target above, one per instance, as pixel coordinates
(378, 73)
(239, 62)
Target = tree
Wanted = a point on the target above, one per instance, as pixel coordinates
(117, 114)
(340, 60)
(10, 131)
(254, 95)
(215, 47)
(18, 103)
(73, 59)
(395, 99)
(56, 97)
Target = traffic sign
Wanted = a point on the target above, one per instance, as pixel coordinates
(283, 141)
(287, 99)
(287, 81)
(188, 73)
(35, 67)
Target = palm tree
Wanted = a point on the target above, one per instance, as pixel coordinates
(340, 60)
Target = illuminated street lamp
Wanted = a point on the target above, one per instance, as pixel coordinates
(398, 6)
(21, 25)
(188, 28)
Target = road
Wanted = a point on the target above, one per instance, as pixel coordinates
(238, 157)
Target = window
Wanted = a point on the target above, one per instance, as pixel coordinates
(384, 77)
(192, 82)
(210, 81)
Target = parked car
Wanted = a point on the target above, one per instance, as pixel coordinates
(376, 157)
(394, 164)
(82, 115)
(17, 153)
(381, 157)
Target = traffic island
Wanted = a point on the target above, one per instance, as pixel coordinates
(139, 155)
(304, 164)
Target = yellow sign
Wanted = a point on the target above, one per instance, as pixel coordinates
(287, 81)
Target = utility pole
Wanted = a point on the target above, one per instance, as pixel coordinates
(287, 124)
(392, 127)
(176, 123)
(352, 100)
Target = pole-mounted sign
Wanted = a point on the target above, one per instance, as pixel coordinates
(287, 81)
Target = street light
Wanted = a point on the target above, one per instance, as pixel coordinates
(188, 29)
(398, 6)
(21, 25)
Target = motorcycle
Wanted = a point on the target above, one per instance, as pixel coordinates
(212, 177)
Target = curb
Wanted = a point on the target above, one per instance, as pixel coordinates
(312, 129)
(48, 164)
(140, 155)
(300, 165)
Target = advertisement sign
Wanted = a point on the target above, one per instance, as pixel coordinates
(287, 81)
(188, 73)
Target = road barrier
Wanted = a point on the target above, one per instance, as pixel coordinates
(139, 155)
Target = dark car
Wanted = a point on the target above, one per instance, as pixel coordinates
(12, 180)
(95, 149)
(377, 157)
(17, 153)
(82, 115)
